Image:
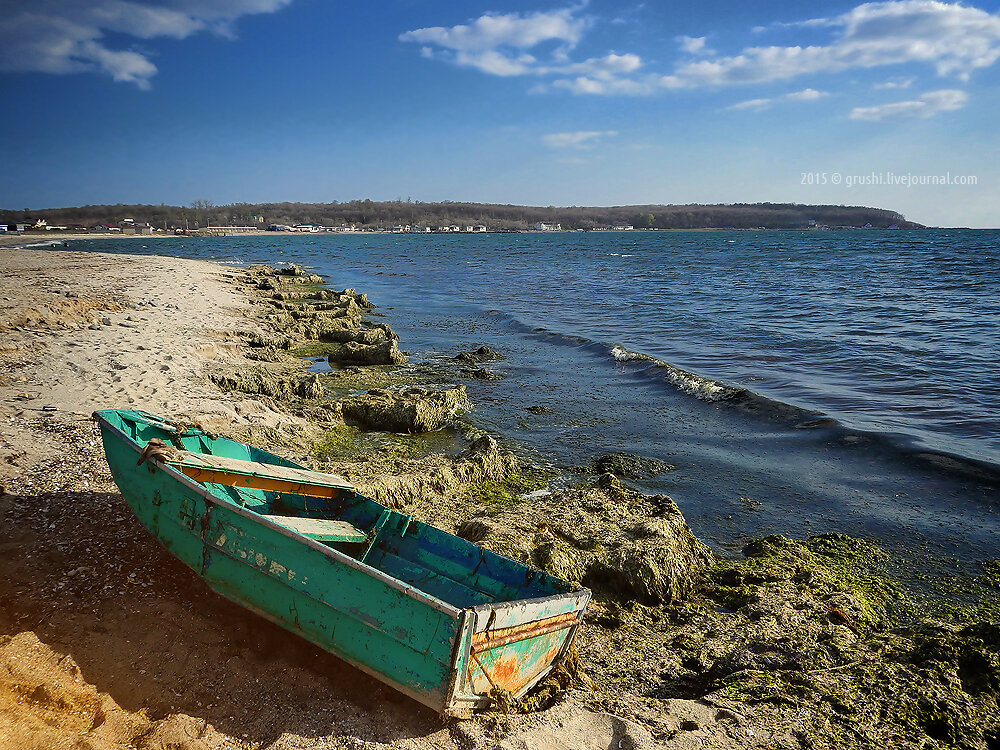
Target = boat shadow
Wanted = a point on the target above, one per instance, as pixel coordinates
(79, 572)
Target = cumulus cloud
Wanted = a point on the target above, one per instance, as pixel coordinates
(576, 139)
(505, 44)
(927, 105)
(69, 36)
(694, 45)
(498, 43)
(955, 39)
(805, 95)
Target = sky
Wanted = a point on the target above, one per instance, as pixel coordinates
(889, 104)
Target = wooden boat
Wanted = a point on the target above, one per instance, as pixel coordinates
(438, 618)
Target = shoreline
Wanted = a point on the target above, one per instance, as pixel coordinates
(7, 239)
(659, 676)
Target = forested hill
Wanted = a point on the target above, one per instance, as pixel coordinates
(367, 213)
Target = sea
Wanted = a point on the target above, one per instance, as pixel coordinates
(801, 382)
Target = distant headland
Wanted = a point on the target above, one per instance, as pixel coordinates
(448, 216)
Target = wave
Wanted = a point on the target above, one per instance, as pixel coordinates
(702, 388)
(760, 407)
(43, 243)
(691, 383)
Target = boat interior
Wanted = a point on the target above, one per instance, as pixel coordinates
(326, 509)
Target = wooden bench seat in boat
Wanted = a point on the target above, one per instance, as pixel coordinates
(237, 472)
(321, 529)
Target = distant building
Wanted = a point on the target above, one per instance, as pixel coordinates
(546, 227)
(479, 228)
(140, 228)
(622, 228)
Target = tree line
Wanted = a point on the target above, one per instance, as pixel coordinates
(369, 213)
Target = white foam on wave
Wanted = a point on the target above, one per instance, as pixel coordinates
(700, 387)
(45, 243)
(624, 355)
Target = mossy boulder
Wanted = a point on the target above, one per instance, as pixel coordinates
(560, 559)
(659, 559)
(263, 382)
(482, 354)
(630, 466)
(353, 352)
(625, 545)
(414, 409)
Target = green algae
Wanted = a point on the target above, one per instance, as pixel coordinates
(313, 349)
(923, 686)
(338, 443)
(345, 442)
(352, 380)
(818, 635)
(824, 565)
(506, 492)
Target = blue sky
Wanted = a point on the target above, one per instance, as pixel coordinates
(592, 103)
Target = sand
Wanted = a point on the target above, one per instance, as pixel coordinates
(86, 331)
(105, 640)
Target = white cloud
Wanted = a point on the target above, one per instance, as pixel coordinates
(608, 86)
(756, 104)
(492, 31)
(576, 139)
(497, 43)
(955, 39)
(894, 83)
(806, 95)
(927, 105)
(60, 36)
(694, 45)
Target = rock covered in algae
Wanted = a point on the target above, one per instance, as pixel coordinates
(482, 354)
(414, 409)
(354, 352)
(625, 544)
(261, 381)
(630, 466)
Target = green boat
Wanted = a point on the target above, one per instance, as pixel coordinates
(435, 616)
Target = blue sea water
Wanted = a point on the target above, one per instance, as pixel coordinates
(801, 382)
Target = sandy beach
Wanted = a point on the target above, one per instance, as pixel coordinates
(105, 640)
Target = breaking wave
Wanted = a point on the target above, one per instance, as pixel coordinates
(691, 383)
